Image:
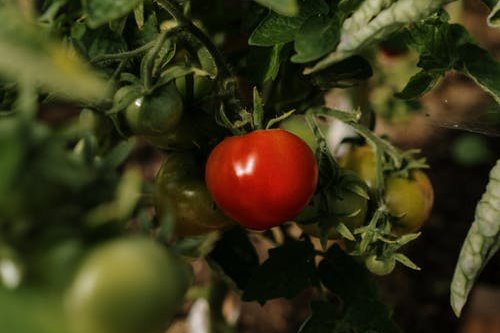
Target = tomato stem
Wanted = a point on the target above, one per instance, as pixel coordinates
(226, 79)
(122, 55)
(147, 70)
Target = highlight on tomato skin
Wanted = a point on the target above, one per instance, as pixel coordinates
(262, 179)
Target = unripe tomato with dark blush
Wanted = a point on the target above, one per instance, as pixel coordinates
(156, 113)
(262, 179)
(181, 191)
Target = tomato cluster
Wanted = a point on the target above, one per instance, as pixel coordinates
(265, 178)
(409, 199)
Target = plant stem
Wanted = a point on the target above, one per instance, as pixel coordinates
(176, 12)
(150, 57)
(225, 77)
(122, 55)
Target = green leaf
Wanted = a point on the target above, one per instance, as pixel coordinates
(263, 63)
(344, 73)
(274, 62)
(31, 311)
(481, 67)
(480, 244)
(97, 42)
(276, 29)
(197, 246)
(418, 85)
(439, 44)
(13, 151)
(122, 206)
(344, 231)
(289, 270)
(118, 155)
(139, 15)
(344, 276)
(443, 47)
(370, 314)
(317, 36)
(235, 255)
(102, 11)
(283, 7)
(148, 32)
(363, 310)
(406, 261)
(323, 318)
(372, 22)
(491, 3)
(28, 52)
(494, 17)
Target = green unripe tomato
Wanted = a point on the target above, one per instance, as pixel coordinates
(410, 201)
(350, 209)
(380, 266)
(361, 160)
(128, 285)
(345, 205)
(181, 191)
(156, 113)
(201, 86)
(297, 124)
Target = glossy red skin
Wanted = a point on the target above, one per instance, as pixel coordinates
(262, 179)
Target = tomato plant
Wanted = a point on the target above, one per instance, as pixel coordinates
(138, 135)
(121, 287)
(262, 179)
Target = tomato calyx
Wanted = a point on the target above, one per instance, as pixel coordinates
(250, 121)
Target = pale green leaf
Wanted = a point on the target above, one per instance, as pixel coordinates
(480, 244)
(102, 11)
(494, 17)
(479, 65)
(283, 7)
(26, 52)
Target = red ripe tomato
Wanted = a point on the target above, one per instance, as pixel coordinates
(262, 179)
